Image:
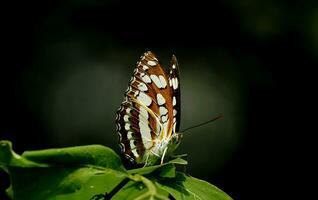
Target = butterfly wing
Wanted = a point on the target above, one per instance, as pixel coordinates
(146, 114)
(174, 82)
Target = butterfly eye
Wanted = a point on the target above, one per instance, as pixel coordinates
(177, 138)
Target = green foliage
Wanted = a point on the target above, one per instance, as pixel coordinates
(95, 172)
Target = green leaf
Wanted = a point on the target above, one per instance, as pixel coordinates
(150, 169)
(144, 170)
(187, 188)
(164, 170)
(66, 170)
(96, 155)
(9, 158)
(168, 171)
(98, 184)
(96, 172)
(179, 161)
(46, 183)
(142, 190)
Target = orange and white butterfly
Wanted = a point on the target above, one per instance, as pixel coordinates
(148, 119)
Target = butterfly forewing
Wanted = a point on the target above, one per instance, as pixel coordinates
(150, 110)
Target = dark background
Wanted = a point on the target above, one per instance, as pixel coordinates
(67, 64)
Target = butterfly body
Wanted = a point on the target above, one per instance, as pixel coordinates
(161, 149)
(148, 118)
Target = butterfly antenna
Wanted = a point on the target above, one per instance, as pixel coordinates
(201, 124)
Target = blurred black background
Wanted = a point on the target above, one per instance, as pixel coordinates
(67, 64)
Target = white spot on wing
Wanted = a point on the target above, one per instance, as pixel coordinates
(174, 101)
(126, 118)
(160, 99)
(134, 151)
(144, 113)
(129, 135)
(132, 145)
(133, 148)
(145, 134)
(127, 126)
(163, 110)
(175, 83)
(145, 99)
(142, 87)
(156, 80)
(136, 93)
(144, 67)
(146, 79)
(174, 112)
(164, 118)
(151, 63)
(163, 81)
(155, 58)
(144, 127)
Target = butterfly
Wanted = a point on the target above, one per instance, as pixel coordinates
(148, 119)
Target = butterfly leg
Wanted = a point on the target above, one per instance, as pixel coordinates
(146, 161)
(163, 155)
(154, 153)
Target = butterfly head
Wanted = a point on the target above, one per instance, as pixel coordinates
(175, 140)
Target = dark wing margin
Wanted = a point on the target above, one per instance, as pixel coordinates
(174, 82)
(128, 131)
